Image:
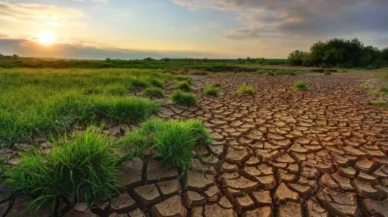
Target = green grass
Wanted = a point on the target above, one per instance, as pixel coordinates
(183, 78)
(301, 85)
(184, 85)
(382, 103)
(183, 98)
(82, 167)
(173, 140)
(211, 90)
(45, 102)
(245, 89)
(153, 92)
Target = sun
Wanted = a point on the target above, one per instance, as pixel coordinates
(46, 38)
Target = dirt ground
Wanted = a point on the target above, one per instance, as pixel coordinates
(284, 152)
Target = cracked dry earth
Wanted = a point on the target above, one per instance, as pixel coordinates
(279, 152)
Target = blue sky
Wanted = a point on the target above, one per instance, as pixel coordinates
(186, 28)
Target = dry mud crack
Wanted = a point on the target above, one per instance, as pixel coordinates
(279, 152)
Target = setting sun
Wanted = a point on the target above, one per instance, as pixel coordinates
(46, 38)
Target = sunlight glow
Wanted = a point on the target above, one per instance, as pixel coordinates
(46, 38)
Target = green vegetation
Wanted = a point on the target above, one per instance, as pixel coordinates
(382, 103)
(153, 92)
(183, 98)
(211, 65)
(245, 89)
(340, 53)
(173, 140)
(83, 167)
(45, 102)
(301, 85)
(184, 85)
(211, 90)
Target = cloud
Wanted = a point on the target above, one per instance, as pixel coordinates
(37, 13)
(84, 50)
(299, 19)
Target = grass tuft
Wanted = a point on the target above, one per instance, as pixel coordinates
(184, 85)
(211, 90)
(153, 92)
(245, 89)
(182, 98)
(173, 140)
(301, 85)
(82, 167)
(382, 103)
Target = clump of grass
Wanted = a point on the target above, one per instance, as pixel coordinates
(82, 167)
(245, 89)
(157, 82)
(382, 103)
(173, 140)
(182, 98)
(183, 78)
(211, 90)
(140, 82)
(270, 74)
(153, 92)
(216, 84)
(328, 73)
(184, 85)
(301, 85)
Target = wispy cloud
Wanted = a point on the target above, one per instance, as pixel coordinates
(37, 13)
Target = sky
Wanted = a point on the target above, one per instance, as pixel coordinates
(135, 29)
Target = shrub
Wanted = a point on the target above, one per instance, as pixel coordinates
(245, 89)
(184, 85)
(182, 98)
(328, 73)
(153, 92)
(82, 167)
(301, 85)
(172, 139)
(270, 74)
(211, 91)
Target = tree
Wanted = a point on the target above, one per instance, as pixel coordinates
(384, 54)
(295, 58)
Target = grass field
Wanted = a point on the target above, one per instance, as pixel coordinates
(43, 102)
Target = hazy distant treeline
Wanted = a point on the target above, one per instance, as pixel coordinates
(340, 53)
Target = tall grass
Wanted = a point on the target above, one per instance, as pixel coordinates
(82, 167)
(211, 90)
(173, 140)
(41, 102)
(183, 98)
(245, 89)
(301, 85)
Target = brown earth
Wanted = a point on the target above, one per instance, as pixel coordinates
(279, 152)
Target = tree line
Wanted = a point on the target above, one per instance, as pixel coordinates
(340, 53)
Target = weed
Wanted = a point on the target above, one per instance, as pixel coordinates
(153, 92)
(140, 82)
(216, 85)
(184, 85)
(82, 167)
(182, 98)
(301, 85)
(211, 90)
(183, 78)
(245, 89)
(173, 140)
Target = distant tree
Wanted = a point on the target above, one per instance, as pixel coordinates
(384, 54)
(295, 58)
(317, 54)
(148, 59)
(15, 56)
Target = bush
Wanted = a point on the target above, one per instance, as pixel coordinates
(82, 167)
(245, 89)
(211, 90)
(184, 85)
(182, 98)
(301, 85)
(173, 140)
(153, 92)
